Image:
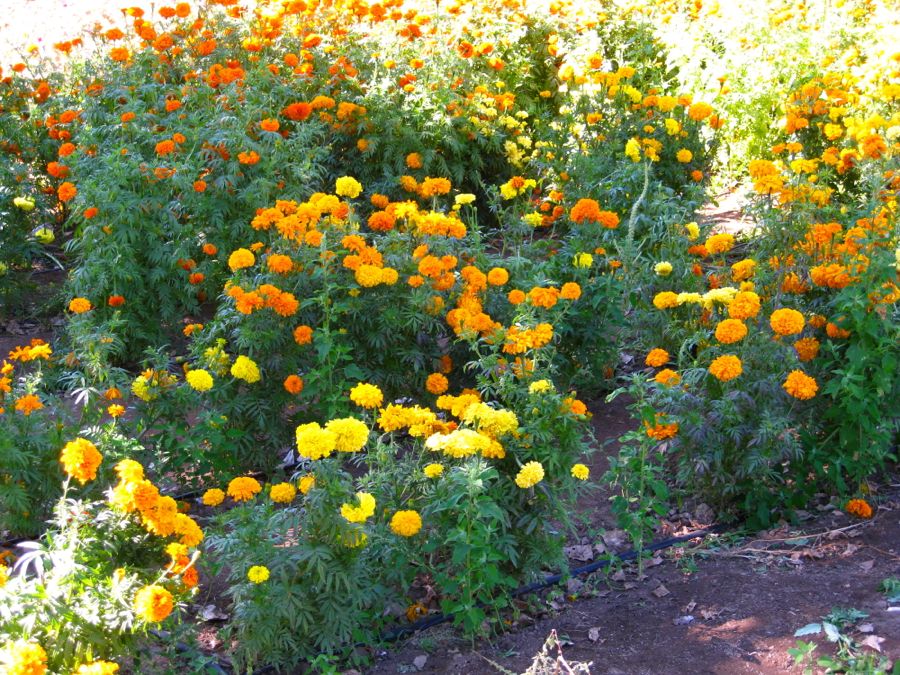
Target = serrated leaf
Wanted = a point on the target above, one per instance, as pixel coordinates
(808, 629)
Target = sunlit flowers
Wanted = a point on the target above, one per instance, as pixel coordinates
(258, 574)
(433, 470)
(314, 442)
(406, 523)
(243, 488)
(350, 434)
(530, 475)
(787, 321)
(80, 459)
(241, 259)
(153, 603)
(213, 497)
(360, 512)
(366, 396)
(800, 385)
(282, 493)
(245, 369)
(25, 658)
(726, 367)
(199, 380)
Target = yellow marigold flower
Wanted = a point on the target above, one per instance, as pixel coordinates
(243, 488)
(693, 231)
(80, 305)
(859, 508)
(4, 570)
(497, 276)
(787, 321)
(667, 377)
(807, 348)
(583, 260)
(665, 300)
(115, 410)
(80, 460)
(730, 331)
(347, 187)
(129, 471)
(282, 493)
(188, 530)
(240, 259)
(306, 483)
(800, 385)
(743, 270)
(464, 199)
(657, 357)
(213, 497)
(433, 470)
(436, 384)
(245, 369)
(720, 243)
(258, 574)
(540, 387)
(529, 475)
(361, 513)
(25, 658)
(580, 471)
(487, 420)
(406, 523)
(633, 150)
(684, 155)
(663, 269)
(97, 668)
(199, 379)
(458, 443)
(366, 396)
(726, 367)
(745, 305)
(351, 434)
(153, 603)
(314, 442)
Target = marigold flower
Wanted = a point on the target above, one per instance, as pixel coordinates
(787, 321)
(213, 497)
(540, 387)
(726, 367)
(800, 385)
(667, 377)
(98, 668)
(730, 331)
(115, 411)
(684, 155)
(258, 574)
(80, 459)
(361, 513)
(347, 187)
(744, 305)
(580, 471)
(665, 300)
(240, 259)
(269, 124)
(406, 523)
(436, 383)
(153, 603)
(570, 291)
(807, 348)
(314, 442)
(414, 160)
(66, 192)
(282, 493)
(350, 434)
(245, 369)
(720, 243)
(199, 379)
(303, 335)
(433, 470)
(80, 305)
(859, 508)
(529, 475)
(657, 357)
(366, 396)
(243, 488)
(497, 276)
(663, 269)
(25, 658)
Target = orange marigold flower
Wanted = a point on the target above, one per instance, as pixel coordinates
(570, 291)
(248, 157)
(859, 508)
(116, 300)
(79, 305)
(726, 367)
(199, 186)
(269, 124)
(807, 348)
(293, 384)
(303, 335)
(165, 147)
(279, 264)
(80, 459)
(497, 276)
(667, 377)
(516, 297)
(436, 384)
(800, 385)
(27, 404)
(66, 192)
(414, 160)
(210, 249)
(787, 321)
(745, 305)
(240, 259)
(835, 332)
(730, 331)
(657, 357)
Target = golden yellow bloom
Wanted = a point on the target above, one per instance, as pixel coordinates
(129, 471)
(720, 243)
(282, 493)
(436, 383)
(366, 395)
(245, 369)
(361, 513)
(199, 379)
(663, 269)
(529, 475)
(657, 357)
(433, 470)
(726, 367)
(240, 259)
(580, 471)
(258, 574)
(153, 603)
(314, 442)
(787, 321)
(80, 305)
(540, 387)
(800, 385)
(665, 300)
(243, 488)
(351, 434)
(406, 523)
(807, 348)
(80, 460)
(306, 483)
(25, 658)
(667, 377)
(97, 668)
(745, 305)
(347, 187)
(730, 331)
(213, 497)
